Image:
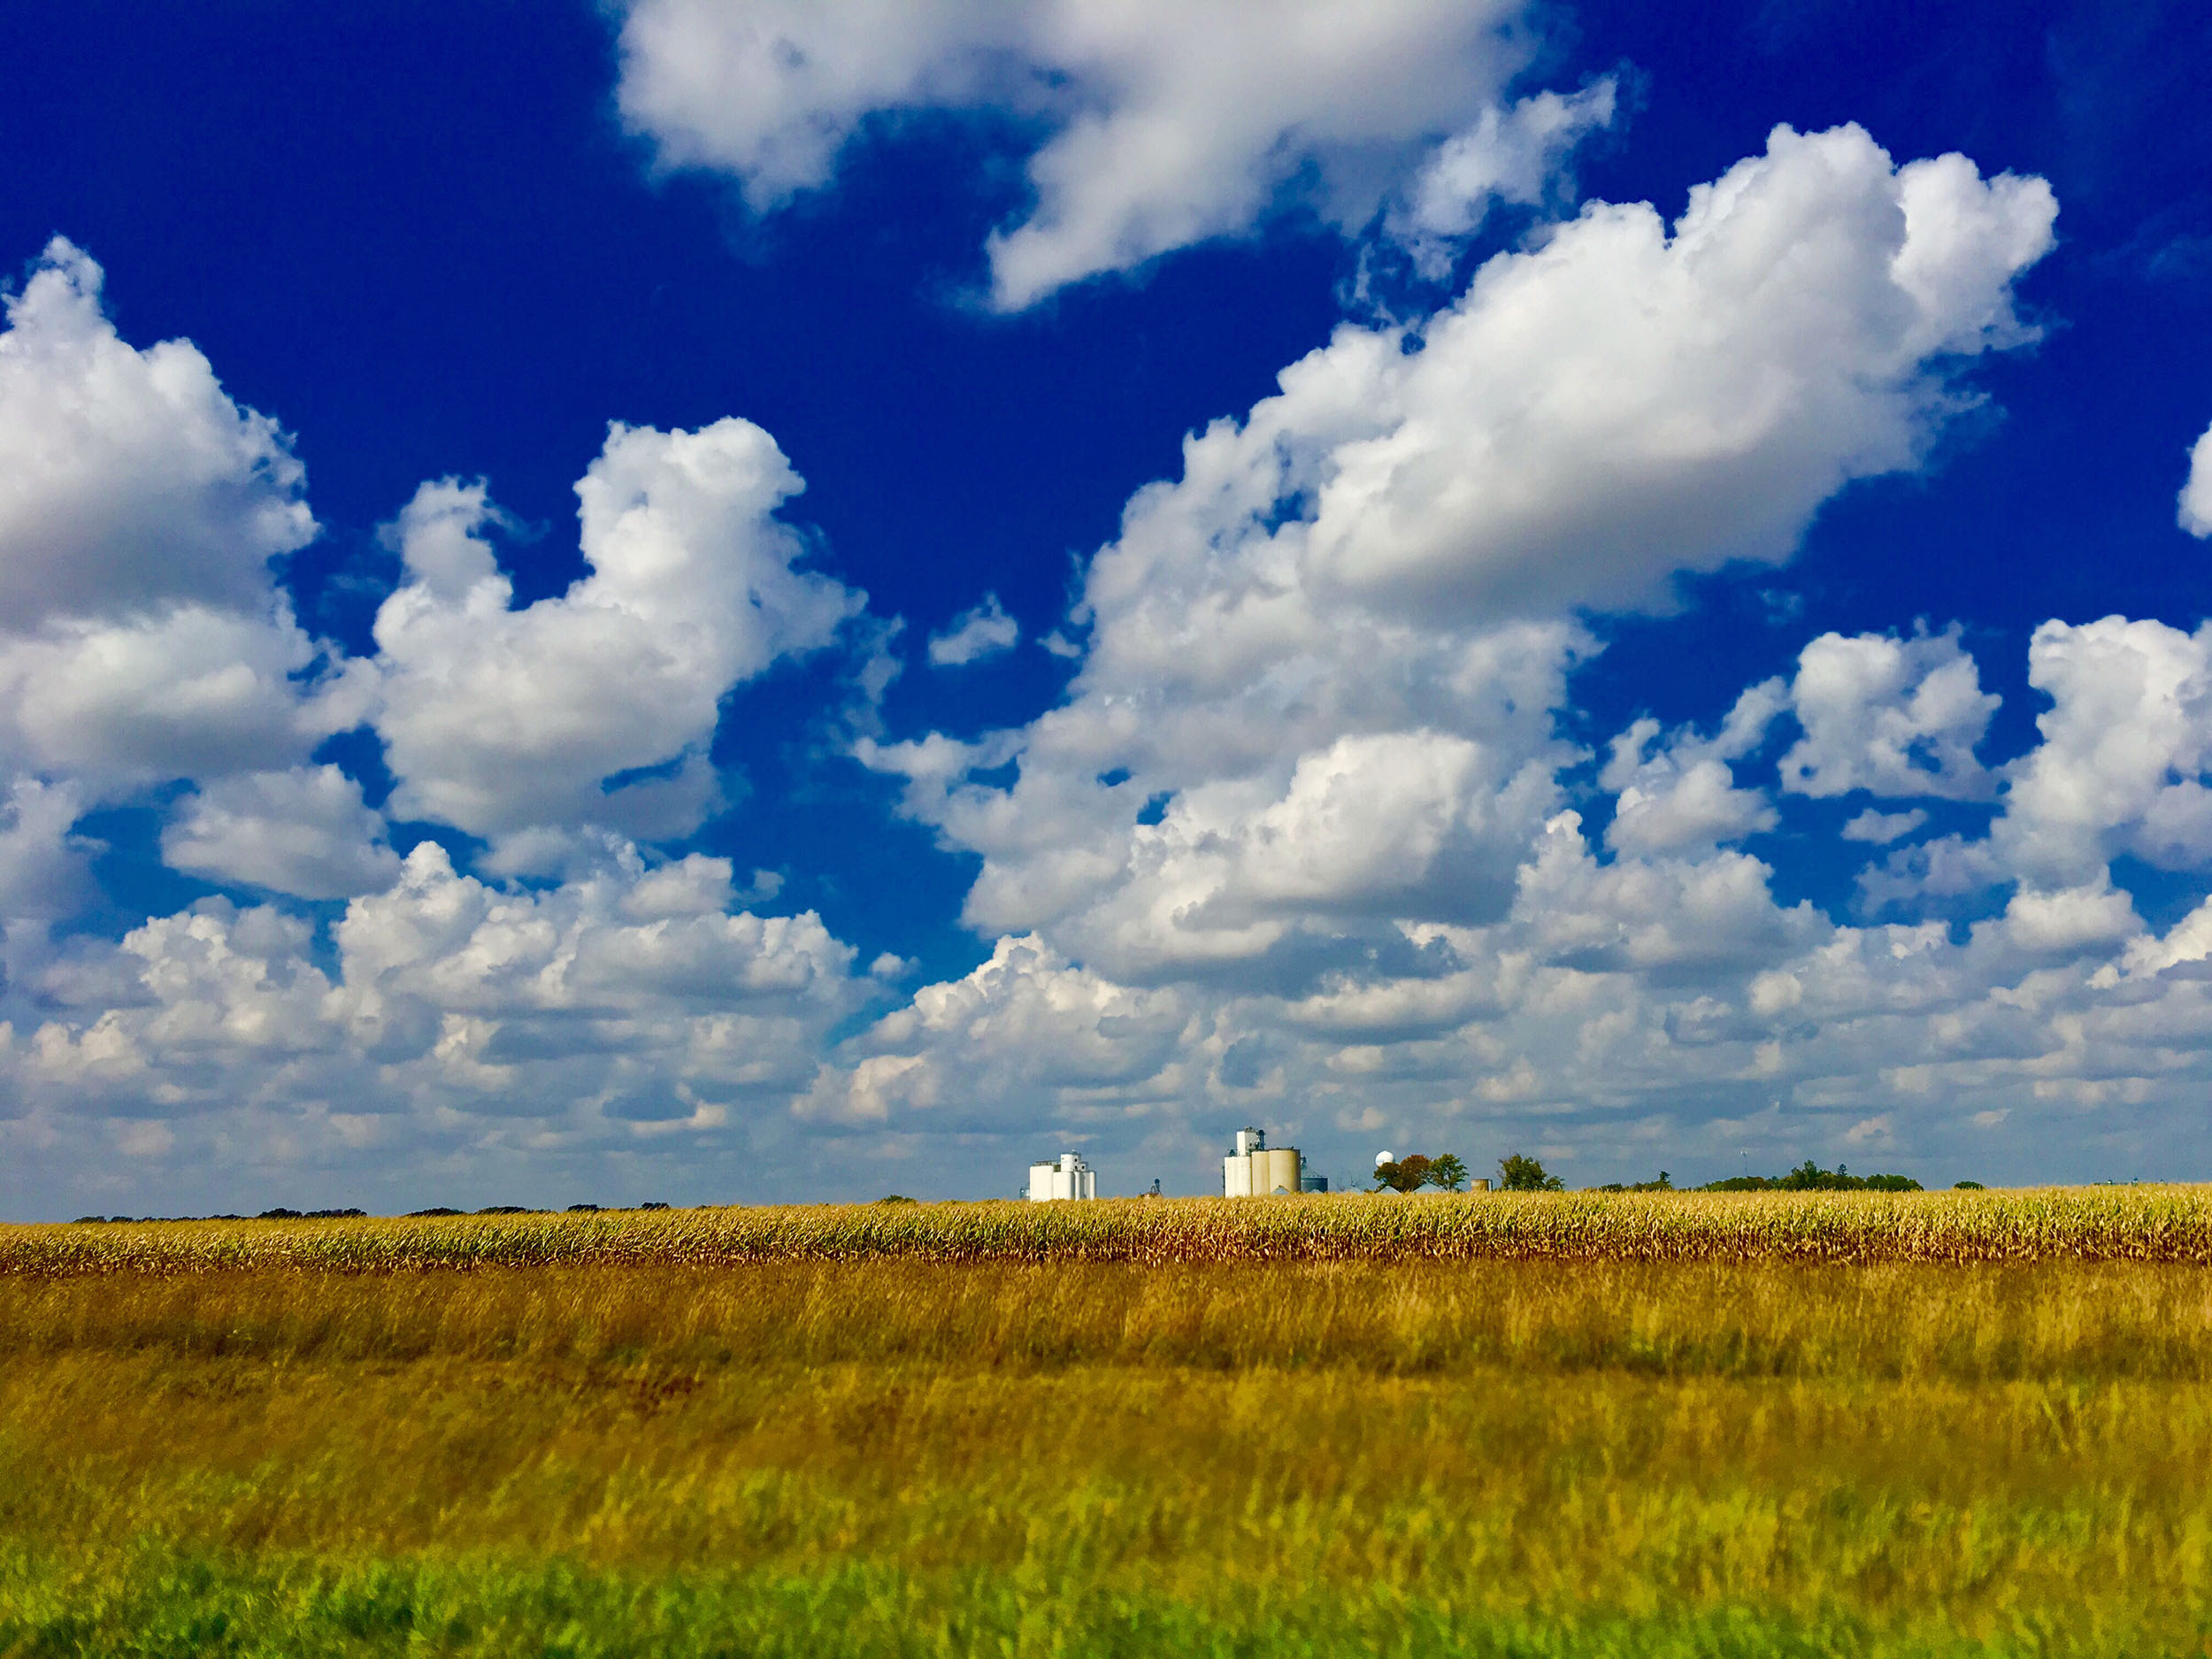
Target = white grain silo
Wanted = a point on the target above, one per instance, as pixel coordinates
(1256, 1170)
(1067, 1178)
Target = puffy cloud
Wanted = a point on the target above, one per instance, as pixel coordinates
(2121, 769)
(1304, 715)
(44, 873)
(303, 832)
(2187, 941)
(1685, 796)
(1024, 1028)
(2125, 748)
(975, 635)
(623, 938)
(220, 1002)
(1622, 402)
(1309, 781)
(1882, 828)
(567, 1011)
(1687, 805)
(1298, 844)
(1652, 913)
(2071, 919)
(141, 636)
(595, 707)
(1416, 823)
(132, 481)
(1226, 807)
(1948, 868)
(2196, 494)
(1889, 716)
(1514, 155)
(1167, 122)
(192, 692)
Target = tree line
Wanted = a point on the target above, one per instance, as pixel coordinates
(1518, 1174)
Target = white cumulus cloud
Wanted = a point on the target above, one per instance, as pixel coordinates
(986, 631)
(141, 636)
(1514, 155)
(1302, 715)
(44, 865)
(1165, 122)
(1311, 784)
(1882, 828)
(1890, 716)
(2125, 754)
(1686, 795)
(131, 480)
(619, 998)
(2196, 494)
(1626, 401)
(303, 832)
(595, 707)
(1299, 844)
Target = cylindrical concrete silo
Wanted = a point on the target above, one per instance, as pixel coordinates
(1275, 1170)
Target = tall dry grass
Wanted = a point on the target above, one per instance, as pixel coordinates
(2072, 1321)
(717, 1435)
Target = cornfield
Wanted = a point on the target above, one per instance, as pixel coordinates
(2130, 1224)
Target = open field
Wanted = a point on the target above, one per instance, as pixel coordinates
(796, 1432)
(2158, 1224)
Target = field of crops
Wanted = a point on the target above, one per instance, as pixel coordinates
(1951, 1425)
(2152, 1224)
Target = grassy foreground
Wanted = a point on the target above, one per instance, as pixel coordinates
(894, 1452)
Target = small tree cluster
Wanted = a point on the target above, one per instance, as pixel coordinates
(1412, 1173)
(1518, 1174)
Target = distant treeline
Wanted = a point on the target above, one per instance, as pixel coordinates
(281, 1214)
(1807, 1177)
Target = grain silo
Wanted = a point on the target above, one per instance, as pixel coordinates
(1256, 1170)
(1067, 1178)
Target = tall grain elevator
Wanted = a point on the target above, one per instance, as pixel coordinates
(1068, 1176)
(1256, 1170)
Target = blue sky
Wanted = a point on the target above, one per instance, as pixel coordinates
(1422, 577)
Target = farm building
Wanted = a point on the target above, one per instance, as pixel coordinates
(1256, 1170)
(1068, 1177)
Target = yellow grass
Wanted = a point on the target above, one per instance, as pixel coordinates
(1438, 1426)
(2079, 1321)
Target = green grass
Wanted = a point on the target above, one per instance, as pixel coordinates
(164, 1604)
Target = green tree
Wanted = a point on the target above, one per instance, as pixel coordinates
(1448, 1173)
(1519, 1174)
(1408, 1174)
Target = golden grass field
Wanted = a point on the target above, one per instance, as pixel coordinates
(1622, 1424)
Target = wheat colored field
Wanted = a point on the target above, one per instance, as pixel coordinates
(1636, 1424)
